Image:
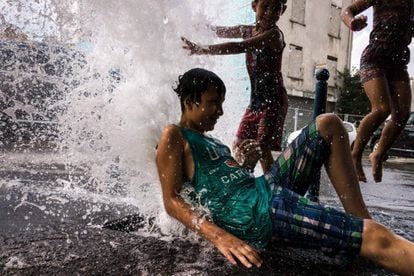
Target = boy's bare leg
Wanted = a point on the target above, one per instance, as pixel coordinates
(387, 249)
(378, 93)
(339, 165)
(401, 103)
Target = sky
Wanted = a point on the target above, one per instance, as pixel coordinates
(360, 41)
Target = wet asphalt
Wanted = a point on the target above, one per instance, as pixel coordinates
(44, 230)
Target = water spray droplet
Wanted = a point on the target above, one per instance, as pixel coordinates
(165, 19)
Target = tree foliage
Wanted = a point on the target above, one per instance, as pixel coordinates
(352, 98)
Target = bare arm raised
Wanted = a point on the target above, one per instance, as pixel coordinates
(172, 163)
(231, 32)
(350, 15)
(271, 38)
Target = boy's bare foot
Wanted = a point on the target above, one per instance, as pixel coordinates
(376, 163)
(358, 168)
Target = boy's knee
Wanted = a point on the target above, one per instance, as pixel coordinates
(327, 119)
(382, 112)
(329, 124)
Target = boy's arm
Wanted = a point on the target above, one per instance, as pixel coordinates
(350, 15)
(271, 38)
(231, 32)
(169, 159)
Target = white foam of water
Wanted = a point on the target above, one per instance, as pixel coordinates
(121, 126)
(15, 262)
(113, 127)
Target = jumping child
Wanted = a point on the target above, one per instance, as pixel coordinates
(246, 212)
(263, 44)
(384, 75)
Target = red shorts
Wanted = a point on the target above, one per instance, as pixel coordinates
(264, 126)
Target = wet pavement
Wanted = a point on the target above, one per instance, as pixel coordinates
(45, 229)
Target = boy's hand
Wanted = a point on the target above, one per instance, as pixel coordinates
(247, 153)
(358, 23)
(230, 246)
(193, 47)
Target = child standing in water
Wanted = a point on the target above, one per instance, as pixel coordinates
(384, 75)
(263, 43)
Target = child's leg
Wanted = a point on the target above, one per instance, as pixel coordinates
(387, 249)
(378, 93)
(247, 130)
(400, 104)
(282, 108)
(325, 144)
(306, 224)
(339, 165)
(295, 167)
(270, 129)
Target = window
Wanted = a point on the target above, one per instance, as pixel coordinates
(335, 21)
(331, 65)
(298, 11)
(295, 69)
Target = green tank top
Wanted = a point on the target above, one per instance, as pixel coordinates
(238, 202)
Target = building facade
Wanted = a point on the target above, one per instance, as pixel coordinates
(315, 37)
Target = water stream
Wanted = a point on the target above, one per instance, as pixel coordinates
(105, 81)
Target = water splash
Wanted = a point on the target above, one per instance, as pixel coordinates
(112, 118)
(118, 123)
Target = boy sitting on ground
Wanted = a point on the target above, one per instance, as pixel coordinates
(247, 212)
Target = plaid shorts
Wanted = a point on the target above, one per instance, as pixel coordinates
(299, 221)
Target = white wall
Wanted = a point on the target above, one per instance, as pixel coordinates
(317, 42)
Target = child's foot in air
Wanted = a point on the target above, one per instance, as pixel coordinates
(358, 168)
(376, 163)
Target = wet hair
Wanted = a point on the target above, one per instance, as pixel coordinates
(193, 83)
